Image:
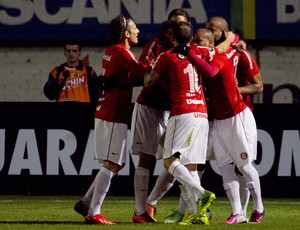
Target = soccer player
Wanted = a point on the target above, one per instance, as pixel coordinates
(204, 45)
(112, 115)
(149, 121)
(249, 83)
(234, 127)
(187, 128)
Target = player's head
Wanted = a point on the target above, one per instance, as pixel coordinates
(204, 37)
(218, 26)
(178, 15)
(183, 32)
(166, 34)
(123, 28)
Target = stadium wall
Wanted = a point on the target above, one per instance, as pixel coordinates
(25, 70)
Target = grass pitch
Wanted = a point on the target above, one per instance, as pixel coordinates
(49, 212)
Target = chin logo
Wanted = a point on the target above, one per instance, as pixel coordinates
(244, 156)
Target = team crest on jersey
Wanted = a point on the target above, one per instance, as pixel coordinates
(244, 156)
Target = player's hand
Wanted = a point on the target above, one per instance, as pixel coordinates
(182, 49)
(231, 36)
(240, 46)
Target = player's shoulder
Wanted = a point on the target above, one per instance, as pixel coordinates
(119, 50)
(246, 56)
(167, 53)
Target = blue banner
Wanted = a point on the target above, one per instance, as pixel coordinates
(278, 20)
(50, 150)
(56, 20)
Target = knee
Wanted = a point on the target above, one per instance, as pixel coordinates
(113, 167)
(250, 185)
(170, 160)
(230, 185)
(167, 163)
(146, 161)
(227, 186)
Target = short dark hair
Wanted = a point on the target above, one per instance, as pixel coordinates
(73, 41)
(183, 32)
(167, 24)
(179, 12)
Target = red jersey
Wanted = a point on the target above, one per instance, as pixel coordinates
(114, 104)
(185, 93)
(154, 96)
(206, 53)
(224, 97)
(247, 69)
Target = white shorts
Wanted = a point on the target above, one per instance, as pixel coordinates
(147, 127)
(235, 139)
(110, 141)
(187, 134)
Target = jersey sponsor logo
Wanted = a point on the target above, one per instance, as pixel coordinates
(195, 102)
(74, 81)
(200, 115)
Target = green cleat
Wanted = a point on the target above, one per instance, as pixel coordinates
(188, 220)
(204, 202)
(192, 219)
(202, 220)
(173, 218)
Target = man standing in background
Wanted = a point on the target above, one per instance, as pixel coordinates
(72, 80)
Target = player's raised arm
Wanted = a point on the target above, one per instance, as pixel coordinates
(230, 38)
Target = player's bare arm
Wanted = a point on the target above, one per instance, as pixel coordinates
(150, 77)
(255, 87)
(223, 46)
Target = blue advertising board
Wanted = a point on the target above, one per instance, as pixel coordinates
(278, 19)
(56, 20)
(48, 149)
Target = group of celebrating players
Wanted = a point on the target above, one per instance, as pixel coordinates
(191, 109)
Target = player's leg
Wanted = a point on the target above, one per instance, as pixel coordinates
(222, 134)
(162, 185)
(244, 191)
(148, 125)
(110, 138)
(102, 184)
(253, 184)
(141, 182)
(231, 187)
(247, 144)
(182, 175)
(185, 138)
